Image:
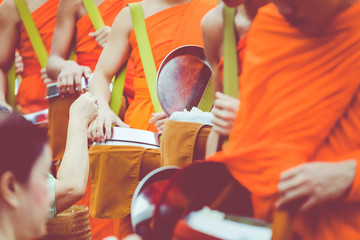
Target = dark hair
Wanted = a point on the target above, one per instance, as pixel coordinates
(21, 143)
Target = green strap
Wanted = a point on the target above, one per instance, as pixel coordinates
(94, 14)
(207, 99)
(117, 91)
(231, 82)
(147, 59)
(119, 82)
(33, 32)
(10, 98)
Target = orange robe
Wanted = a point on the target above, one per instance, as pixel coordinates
(294, 89)
(167, 30)
(32, 90)
(87, 53)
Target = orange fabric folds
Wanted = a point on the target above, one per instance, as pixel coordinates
(88, 50)
(32, 90)
(183, 142)
(167, 30)
(115, 172)
(294, 89)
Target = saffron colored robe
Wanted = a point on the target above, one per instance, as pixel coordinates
(294, 90)
(87, 52)
(32, 91)
(167, 30)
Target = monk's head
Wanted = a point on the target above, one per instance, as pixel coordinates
(310, 16)
(233, 3)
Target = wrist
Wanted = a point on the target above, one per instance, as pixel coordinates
(78, 122)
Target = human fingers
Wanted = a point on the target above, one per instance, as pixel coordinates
(309, 203)
(70, 84)
(157, 117)
(76, 86)
(103, 42)
(287, 197)
(96, 33)
(61, 84)
(221, 131)
(90, 131)
(117, 121)
(98, 131)
(224, 114)
(220, 122)
(291, 173)
(86, 72)
(108, 128)
(160, 123)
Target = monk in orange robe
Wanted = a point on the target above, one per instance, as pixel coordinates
(168, 27)
(298, 79)
(162, 40)
(74, 25)
(32, 90)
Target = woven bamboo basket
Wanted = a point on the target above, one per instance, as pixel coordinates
(71, 224)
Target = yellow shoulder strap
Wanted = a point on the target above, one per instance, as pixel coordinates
(147, 59)
(231, 82)
(94, 14)
(32, 31)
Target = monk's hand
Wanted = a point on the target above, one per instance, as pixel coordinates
(101, 35)
(314, 183)
(100, 129)
(225, 110)
(84, 109)
(45, 77)
(69, 79)
(6, 106)
(159, 120)
(19, 65)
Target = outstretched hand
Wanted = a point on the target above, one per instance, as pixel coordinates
(84, 109)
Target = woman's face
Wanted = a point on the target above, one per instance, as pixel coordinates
(35, 201)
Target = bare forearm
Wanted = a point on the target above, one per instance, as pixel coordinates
(73, 171)
(75, 163)
(99, 87)
(55, 65)
(3, 85)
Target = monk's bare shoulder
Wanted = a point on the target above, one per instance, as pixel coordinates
(212, 24)
(212, 30)
(9, 15)
(123, 21)
(70, 7)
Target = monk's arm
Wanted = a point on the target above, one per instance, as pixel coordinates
(9, 20)
(112, 58)
(66, 72)
(73, 172)
(212, 31)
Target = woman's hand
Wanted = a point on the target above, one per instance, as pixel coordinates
(84, 109)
